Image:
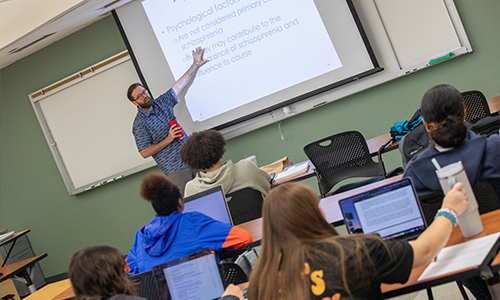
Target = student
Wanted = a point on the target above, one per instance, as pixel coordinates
(171, 233)
(303, 257)
(443, 115)
(98, 273)
(203, 153)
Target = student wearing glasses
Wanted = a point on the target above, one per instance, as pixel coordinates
(153, 134)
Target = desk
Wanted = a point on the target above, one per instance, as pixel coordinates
(491, 224)
(12, 239)
(329, 205)
(21, 269)
(494, 104)
(52, 290)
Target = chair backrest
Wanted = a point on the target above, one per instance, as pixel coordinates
(341, 156)
(146, 285)
(232, 273)
(486, 196)
(430, 202)
(476, 105)
(245, 205)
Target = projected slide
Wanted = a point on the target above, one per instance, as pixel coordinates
(275, 43)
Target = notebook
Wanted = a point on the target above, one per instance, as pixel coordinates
(192, 277)
(211, 202)
(392, 211)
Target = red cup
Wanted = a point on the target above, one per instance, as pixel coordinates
(174, 122)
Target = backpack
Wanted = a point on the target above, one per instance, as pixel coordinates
(412, 136)
(413, 143)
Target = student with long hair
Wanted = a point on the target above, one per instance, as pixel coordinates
(443, 115)
(303, 257)
(98, 272)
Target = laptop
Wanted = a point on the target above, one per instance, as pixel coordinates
(211, 202)
(392, 211)
(192, 277)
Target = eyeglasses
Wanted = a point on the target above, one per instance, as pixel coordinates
(142, 95)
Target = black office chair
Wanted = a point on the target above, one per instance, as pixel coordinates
(476, 106)
(245, 205)
(430, 203)
(146, 285)
(232, 273)
(342, 156)
(478, 114)
(486, 196)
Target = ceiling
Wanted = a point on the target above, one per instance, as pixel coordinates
(27, 26)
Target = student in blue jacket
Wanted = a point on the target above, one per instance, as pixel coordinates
(171, 233)
(443, 115)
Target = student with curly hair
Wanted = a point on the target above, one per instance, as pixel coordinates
(97, 272)
(171, 233)
(303, 257)
(443, 115)
(203, 152)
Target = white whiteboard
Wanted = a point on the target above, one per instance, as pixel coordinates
(418, 29)
(88, 125)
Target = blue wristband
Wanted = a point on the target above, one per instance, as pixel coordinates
(449, 216)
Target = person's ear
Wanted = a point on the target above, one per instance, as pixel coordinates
(465, 114)
(425, 124)
(180, 205)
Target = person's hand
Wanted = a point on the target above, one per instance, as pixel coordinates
(233, 291)
(175, 132)
(198, 60)
(456, 199)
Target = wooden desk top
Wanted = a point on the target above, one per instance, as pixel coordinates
(491, 224)
(375, 143)
(50, 291)
(329, 205)
(494, 104)
(15, 268)
(15, 236)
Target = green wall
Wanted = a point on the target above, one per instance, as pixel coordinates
(33, 195)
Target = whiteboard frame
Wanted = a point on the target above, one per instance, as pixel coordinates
(40, 95)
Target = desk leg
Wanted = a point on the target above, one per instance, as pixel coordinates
(494, 286)
(29, 283)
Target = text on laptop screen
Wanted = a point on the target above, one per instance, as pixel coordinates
(211, 203)
(194, 279)
(389, 211)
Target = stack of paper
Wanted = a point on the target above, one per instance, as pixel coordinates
(291, 172)
(6, 235)
(461, 256)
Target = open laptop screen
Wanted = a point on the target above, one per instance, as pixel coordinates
(392, 211)
(192, 277)
(211, 202)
